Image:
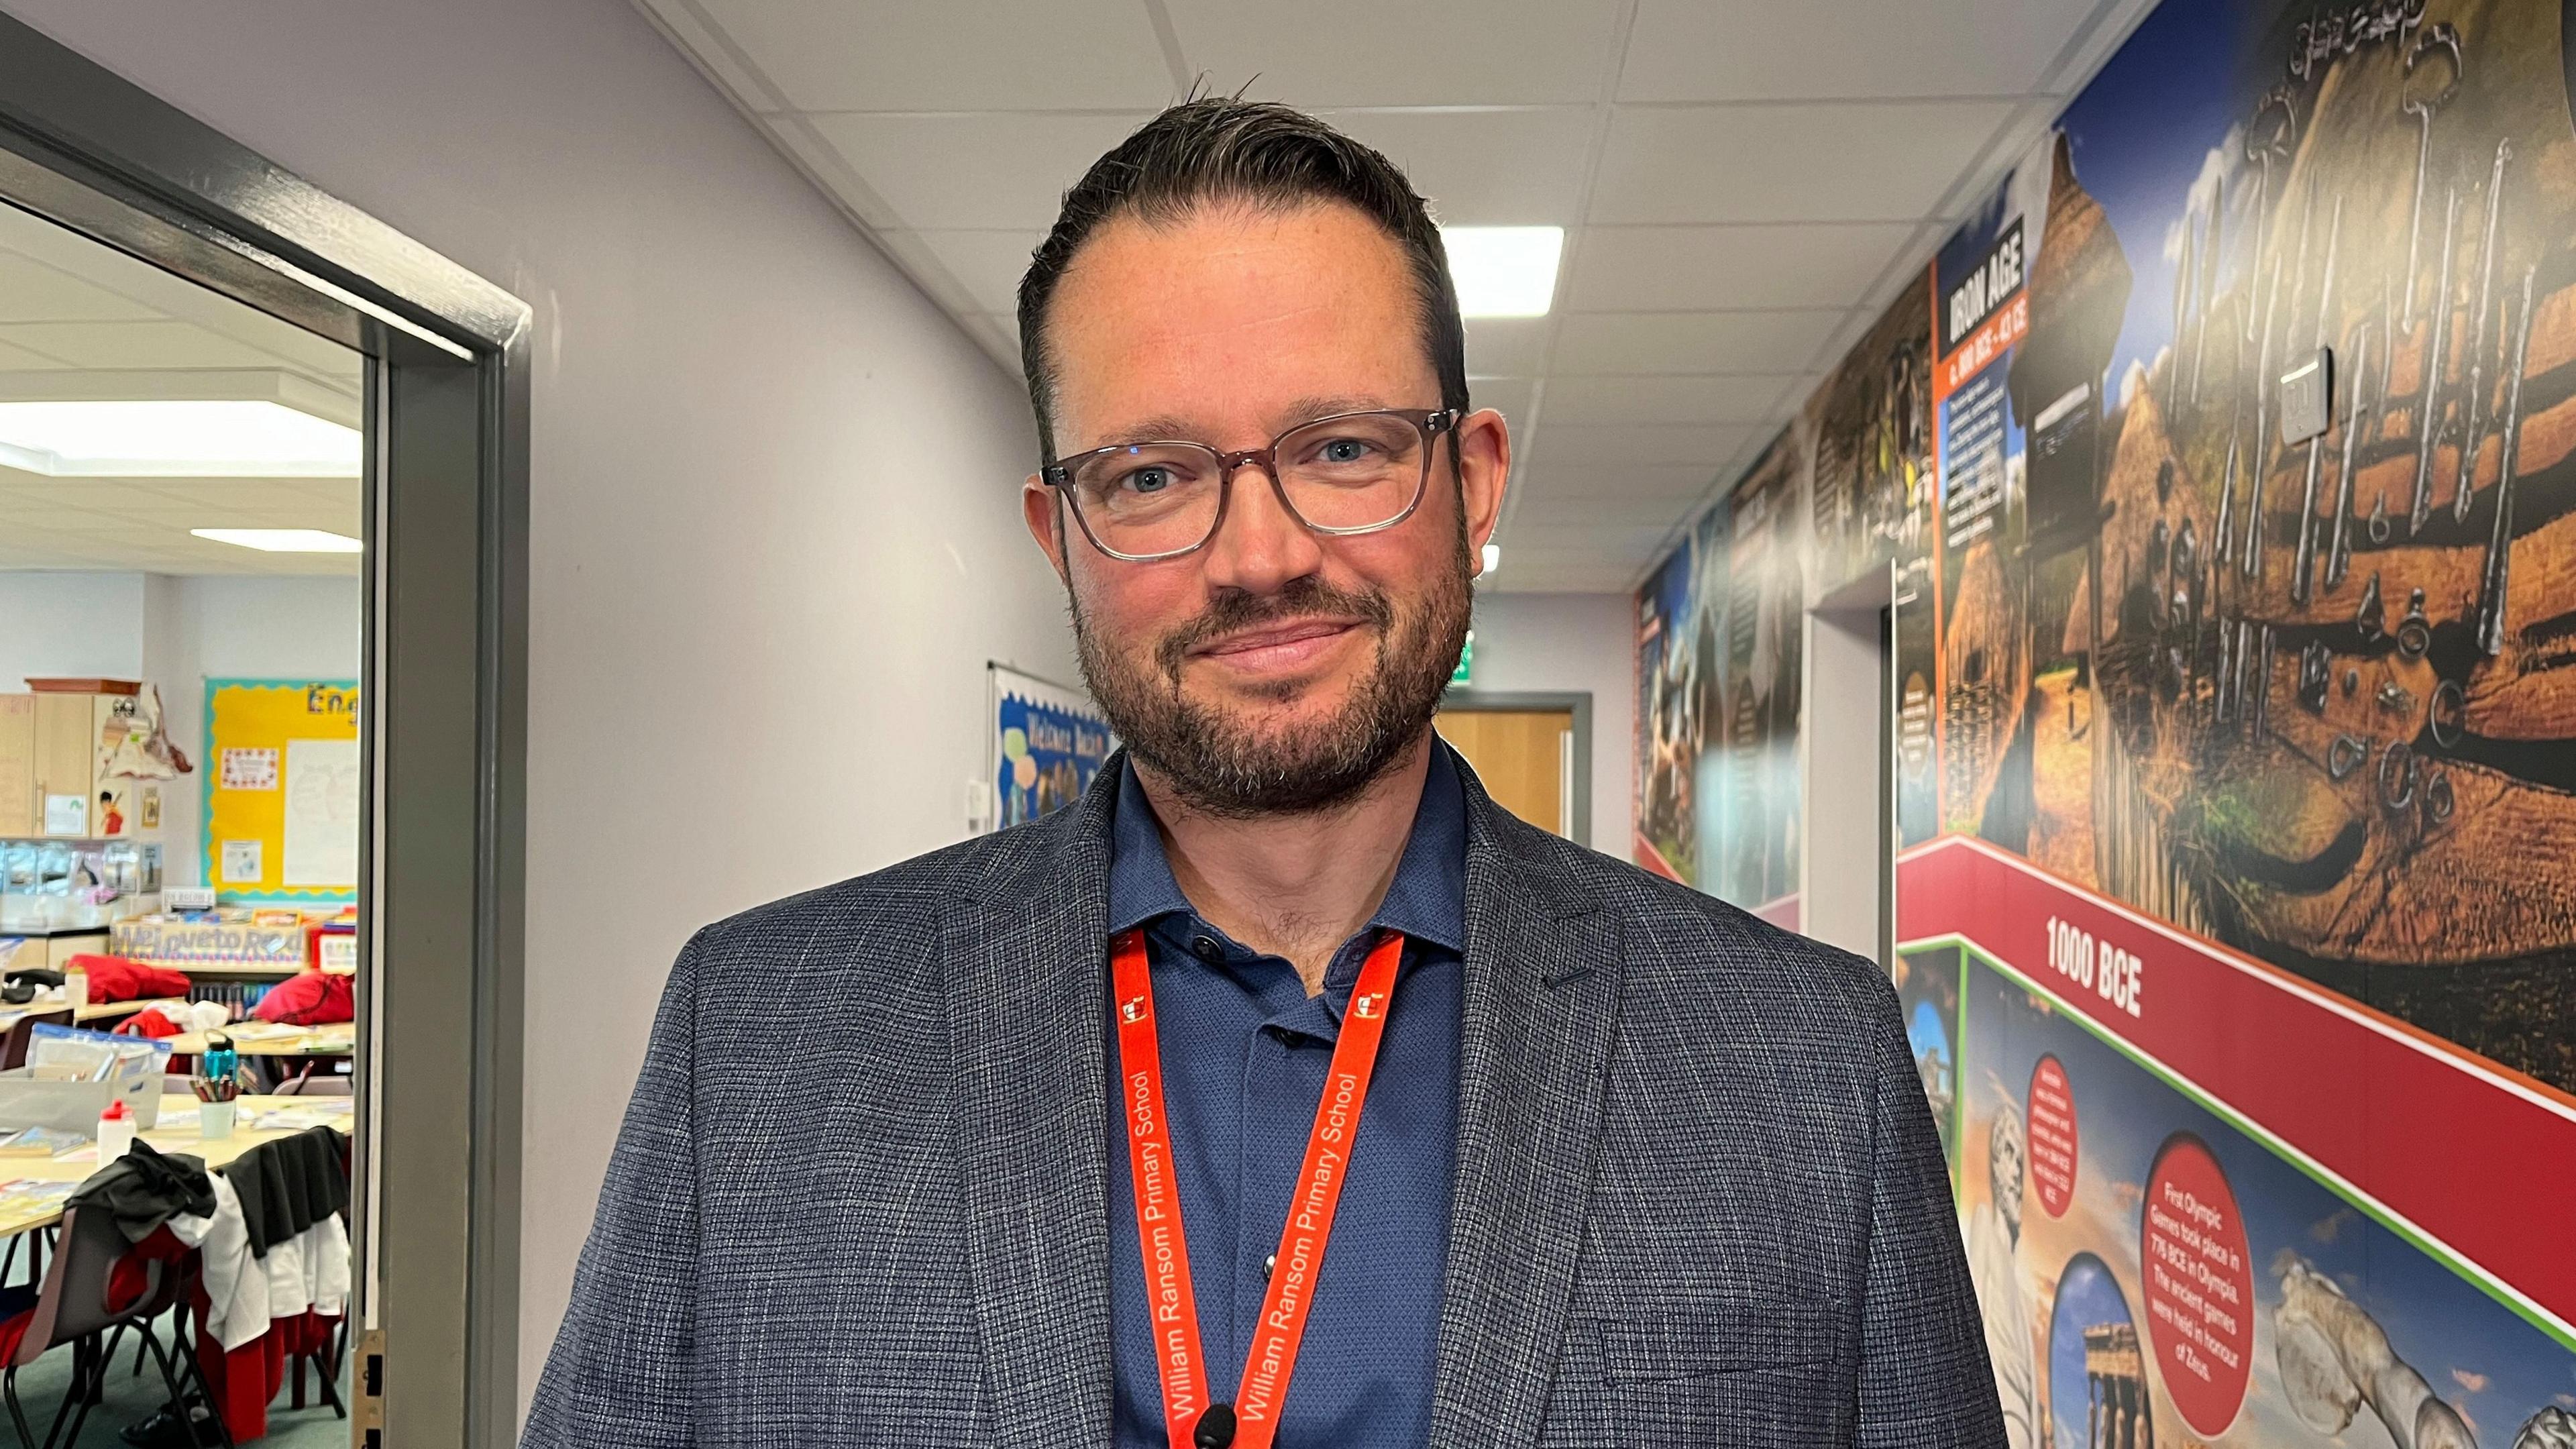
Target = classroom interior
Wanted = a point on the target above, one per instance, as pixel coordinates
(463, 530)
(180, 637)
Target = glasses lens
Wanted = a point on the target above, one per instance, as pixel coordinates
(1353, 472)
(1152, 498)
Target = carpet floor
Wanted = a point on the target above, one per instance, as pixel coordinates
(129, 1398)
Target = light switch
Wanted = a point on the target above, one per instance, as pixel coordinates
(2307, 398)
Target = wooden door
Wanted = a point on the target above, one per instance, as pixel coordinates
(1522, 757)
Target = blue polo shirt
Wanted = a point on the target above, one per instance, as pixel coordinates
(1245, 1052)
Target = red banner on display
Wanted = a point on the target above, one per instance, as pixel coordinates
(2453, 1149)
(2053, 1143)
(2200, 1284)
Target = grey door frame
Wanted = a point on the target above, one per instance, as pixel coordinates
(1579, 701)
(441, 855)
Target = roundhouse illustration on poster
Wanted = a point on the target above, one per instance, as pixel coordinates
(2236, 760)
(1047, 744)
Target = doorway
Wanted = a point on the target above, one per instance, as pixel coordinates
(1849, 865)
(1532, 753)
(262, 494)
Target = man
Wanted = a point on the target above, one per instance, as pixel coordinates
(1598, 1160)
(1994, 1270)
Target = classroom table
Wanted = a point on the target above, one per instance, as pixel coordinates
(176, 1130)
(95, 1012)
(265, 1039)
(102, 1011)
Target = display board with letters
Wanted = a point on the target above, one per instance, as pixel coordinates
(284, 789)
(1047, 744)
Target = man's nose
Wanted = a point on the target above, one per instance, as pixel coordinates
(1259, 546)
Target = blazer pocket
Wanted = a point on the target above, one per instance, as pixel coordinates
(1663, 1342)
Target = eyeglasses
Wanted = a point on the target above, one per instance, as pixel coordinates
(1347, 474)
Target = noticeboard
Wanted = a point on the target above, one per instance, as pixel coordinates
(283, 787)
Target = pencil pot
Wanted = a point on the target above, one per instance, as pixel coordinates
(215, 1120)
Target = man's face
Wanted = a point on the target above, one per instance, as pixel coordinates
(1273, 669)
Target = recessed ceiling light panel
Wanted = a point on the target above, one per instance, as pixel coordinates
(283, 540)
(1504, 271)
(175, 438)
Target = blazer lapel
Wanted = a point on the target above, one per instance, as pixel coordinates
(1542, 993)
(1026, 987)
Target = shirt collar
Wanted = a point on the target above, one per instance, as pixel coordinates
(1427, 901)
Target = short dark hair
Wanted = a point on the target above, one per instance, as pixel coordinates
(1218, 149)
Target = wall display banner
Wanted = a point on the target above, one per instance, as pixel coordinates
(1047, 744)
(2236, 747)
(282, 799)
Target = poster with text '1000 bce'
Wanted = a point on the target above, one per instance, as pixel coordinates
(2236, 773)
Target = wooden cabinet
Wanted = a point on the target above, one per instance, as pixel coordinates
(51, 750)
(17, 765)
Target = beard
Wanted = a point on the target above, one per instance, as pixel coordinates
(1224, 761)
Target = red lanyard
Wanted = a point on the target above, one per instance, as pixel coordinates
(1273, 1355)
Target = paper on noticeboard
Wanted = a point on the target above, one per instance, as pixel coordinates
(321, 812)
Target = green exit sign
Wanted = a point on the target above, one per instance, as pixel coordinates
(1466, 661)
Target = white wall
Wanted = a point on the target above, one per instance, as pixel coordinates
(774, 519)
(1563, 642)
(69, 626)
(176, 633)
(209, 627)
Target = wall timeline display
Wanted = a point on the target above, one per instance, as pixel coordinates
(2235, 639)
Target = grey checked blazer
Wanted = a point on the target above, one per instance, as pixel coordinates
(1697, 1199)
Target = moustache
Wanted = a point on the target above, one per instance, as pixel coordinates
(1233, 612)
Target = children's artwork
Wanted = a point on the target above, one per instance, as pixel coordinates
(1048, 743)
(283, 801)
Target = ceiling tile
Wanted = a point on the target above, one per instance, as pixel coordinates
(996, 171)
(19, 359)
(889, 55)
(1655, 268)
(1505, 346)
(1783, 340)
(987, 263)
(1690, 50)
(1426, 53)
(824, 164)
(134, 344)
(2078, 62)
(1626, 541)
(1659, 483)
(1875, 162)
(1559, 518)
(1486, 167)
(1568, 577)
(1664, 399)
(1516, 398)
(1706, 448)
(33, 292)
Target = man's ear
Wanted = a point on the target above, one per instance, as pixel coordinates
(1484, 447)
(1042, 508)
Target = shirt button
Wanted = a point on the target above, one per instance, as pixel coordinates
(1206, 948)
(1267, 1264)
